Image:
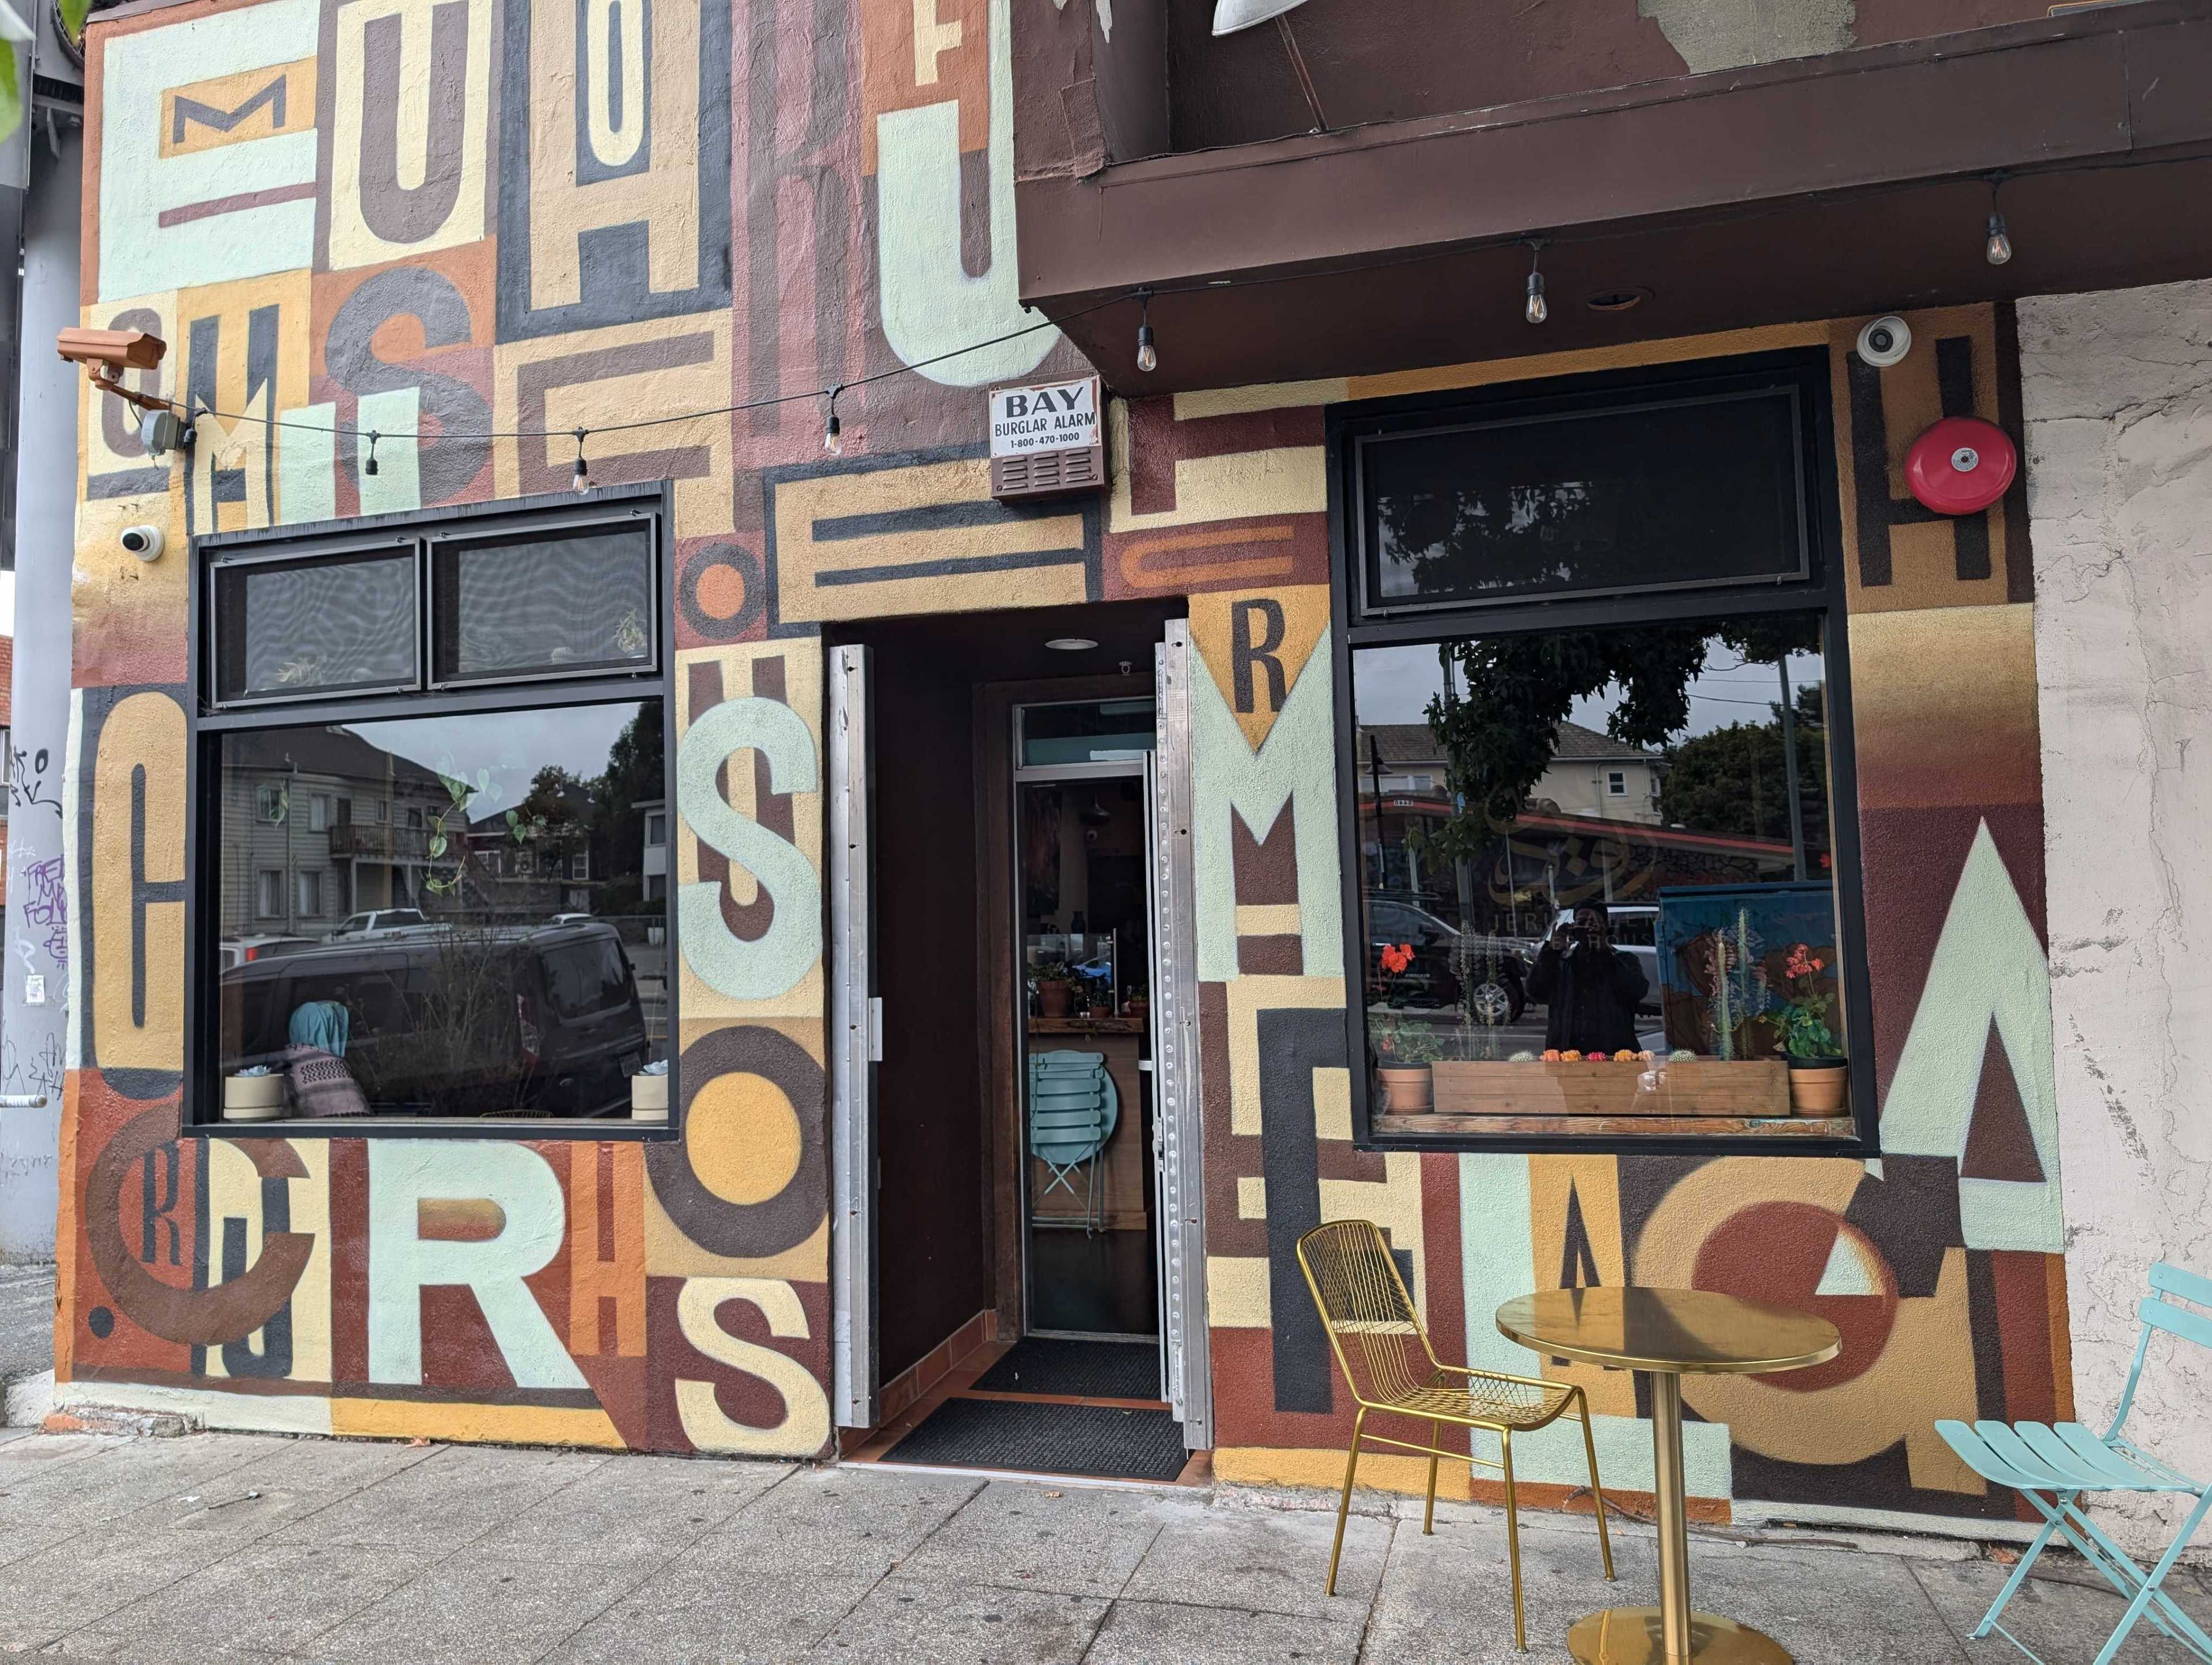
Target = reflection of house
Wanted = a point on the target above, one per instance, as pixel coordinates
(333, 825)
(535, 859)
(655, 868)
(1591, 774)
(1578, 841)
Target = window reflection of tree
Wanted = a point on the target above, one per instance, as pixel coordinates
(1504, 697)
(1503, 536)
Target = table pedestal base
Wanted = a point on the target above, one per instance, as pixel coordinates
(1632, 1635)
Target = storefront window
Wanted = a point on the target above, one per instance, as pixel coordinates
(429, 905)
(1602, 887)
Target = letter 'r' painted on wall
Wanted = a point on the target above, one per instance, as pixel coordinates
(406, 1173)
(761, 969)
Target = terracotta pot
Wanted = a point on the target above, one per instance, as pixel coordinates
(1818, 1085)
(1407, 1088)
(1139, 1010)
(1053, 998)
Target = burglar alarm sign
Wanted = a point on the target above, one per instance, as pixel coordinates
(1045, 439)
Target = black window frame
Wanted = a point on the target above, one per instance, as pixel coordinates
(1821, 588)
(207, 720)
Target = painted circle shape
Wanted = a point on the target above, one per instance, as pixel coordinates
(741, 1231)
(1806, 1256)
(719, 593)
(744, 1137)
(1961, 466)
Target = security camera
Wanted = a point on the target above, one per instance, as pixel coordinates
(143, 541)
(1885, 341)
(112, 350)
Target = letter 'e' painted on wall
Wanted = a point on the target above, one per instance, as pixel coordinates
(761, 969)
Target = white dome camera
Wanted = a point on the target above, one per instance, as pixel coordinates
(143, 541)
(1885, 341)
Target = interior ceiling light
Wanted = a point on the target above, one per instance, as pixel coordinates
(1620, 299)
(1071, 644)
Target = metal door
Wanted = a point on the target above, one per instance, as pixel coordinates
(855, 1045)
(1186, 1372)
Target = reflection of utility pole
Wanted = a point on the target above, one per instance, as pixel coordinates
(1375, 774)
(1789, 770)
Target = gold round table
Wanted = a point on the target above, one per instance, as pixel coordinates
(1669, 1334)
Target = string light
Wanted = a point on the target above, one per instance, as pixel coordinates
(1998, 249)
(369, 467)
(832, 440)
(1535, 312)
(581, 482)
(1148, 355)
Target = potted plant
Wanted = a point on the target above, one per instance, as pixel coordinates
(1405, 1048)
(1138, 1005)
(1054, 994)
(1819, 1073)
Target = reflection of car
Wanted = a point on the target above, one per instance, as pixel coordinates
(1492, 970)
(378, 921)
(1635, 930)
(235, 951)
(532, 1021)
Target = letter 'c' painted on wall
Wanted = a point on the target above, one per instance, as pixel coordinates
(761, 969)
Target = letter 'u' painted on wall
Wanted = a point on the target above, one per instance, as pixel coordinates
(403, 1174)
(806, 1425)
(761, 969)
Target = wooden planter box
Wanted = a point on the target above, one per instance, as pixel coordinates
(1700, 1086)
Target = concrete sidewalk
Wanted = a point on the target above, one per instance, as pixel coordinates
(220, 1547)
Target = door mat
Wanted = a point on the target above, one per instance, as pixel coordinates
(1097, 1440)
(1081, 1370)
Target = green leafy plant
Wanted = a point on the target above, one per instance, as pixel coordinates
(1400, 1041)
(1800, 1010)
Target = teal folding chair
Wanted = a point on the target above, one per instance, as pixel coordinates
(1074, 1110)
(2053, 1467)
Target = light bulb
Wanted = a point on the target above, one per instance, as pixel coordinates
(832, 440)
(369, 467)
(1999, 247)
(1148, 355)
(1537, 311)
(580, 482)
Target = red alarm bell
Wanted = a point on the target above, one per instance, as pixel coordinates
(1962, 465)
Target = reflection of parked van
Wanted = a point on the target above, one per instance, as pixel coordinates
(1635, 929)
(458, 1021)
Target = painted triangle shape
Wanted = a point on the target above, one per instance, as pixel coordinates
(1999, 1143)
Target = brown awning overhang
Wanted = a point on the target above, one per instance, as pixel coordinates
(1818, 187)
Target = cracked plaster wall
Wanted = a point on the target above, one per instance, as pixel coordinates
(2117, 403)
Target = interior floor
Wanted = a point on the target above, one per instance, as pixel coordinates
(1032, 1429)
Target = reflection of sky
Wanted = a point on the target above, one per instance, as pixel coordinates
(512, 746)
(1395, 686)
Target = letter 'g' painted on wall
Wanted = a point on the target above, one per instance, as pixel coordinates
(806, 1425)
(403, 1174)
(761, 969)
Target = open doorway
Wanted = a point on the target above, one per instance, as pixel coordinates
(999, 1287)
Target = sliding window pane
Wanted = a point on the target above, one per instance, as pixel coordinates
(333, 625)
(564, 601)
(480, 933)
(1597, 883)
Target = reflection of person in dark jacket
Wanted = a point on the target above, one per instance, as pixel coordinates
(1590, 987)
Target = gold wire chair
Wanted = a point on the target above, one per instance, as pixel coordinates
(1391, 1368)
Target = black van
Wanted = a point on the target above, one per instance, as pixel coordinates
(460, 1020)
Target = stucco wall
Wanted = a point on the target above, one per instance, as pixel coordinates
(2117, 395)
